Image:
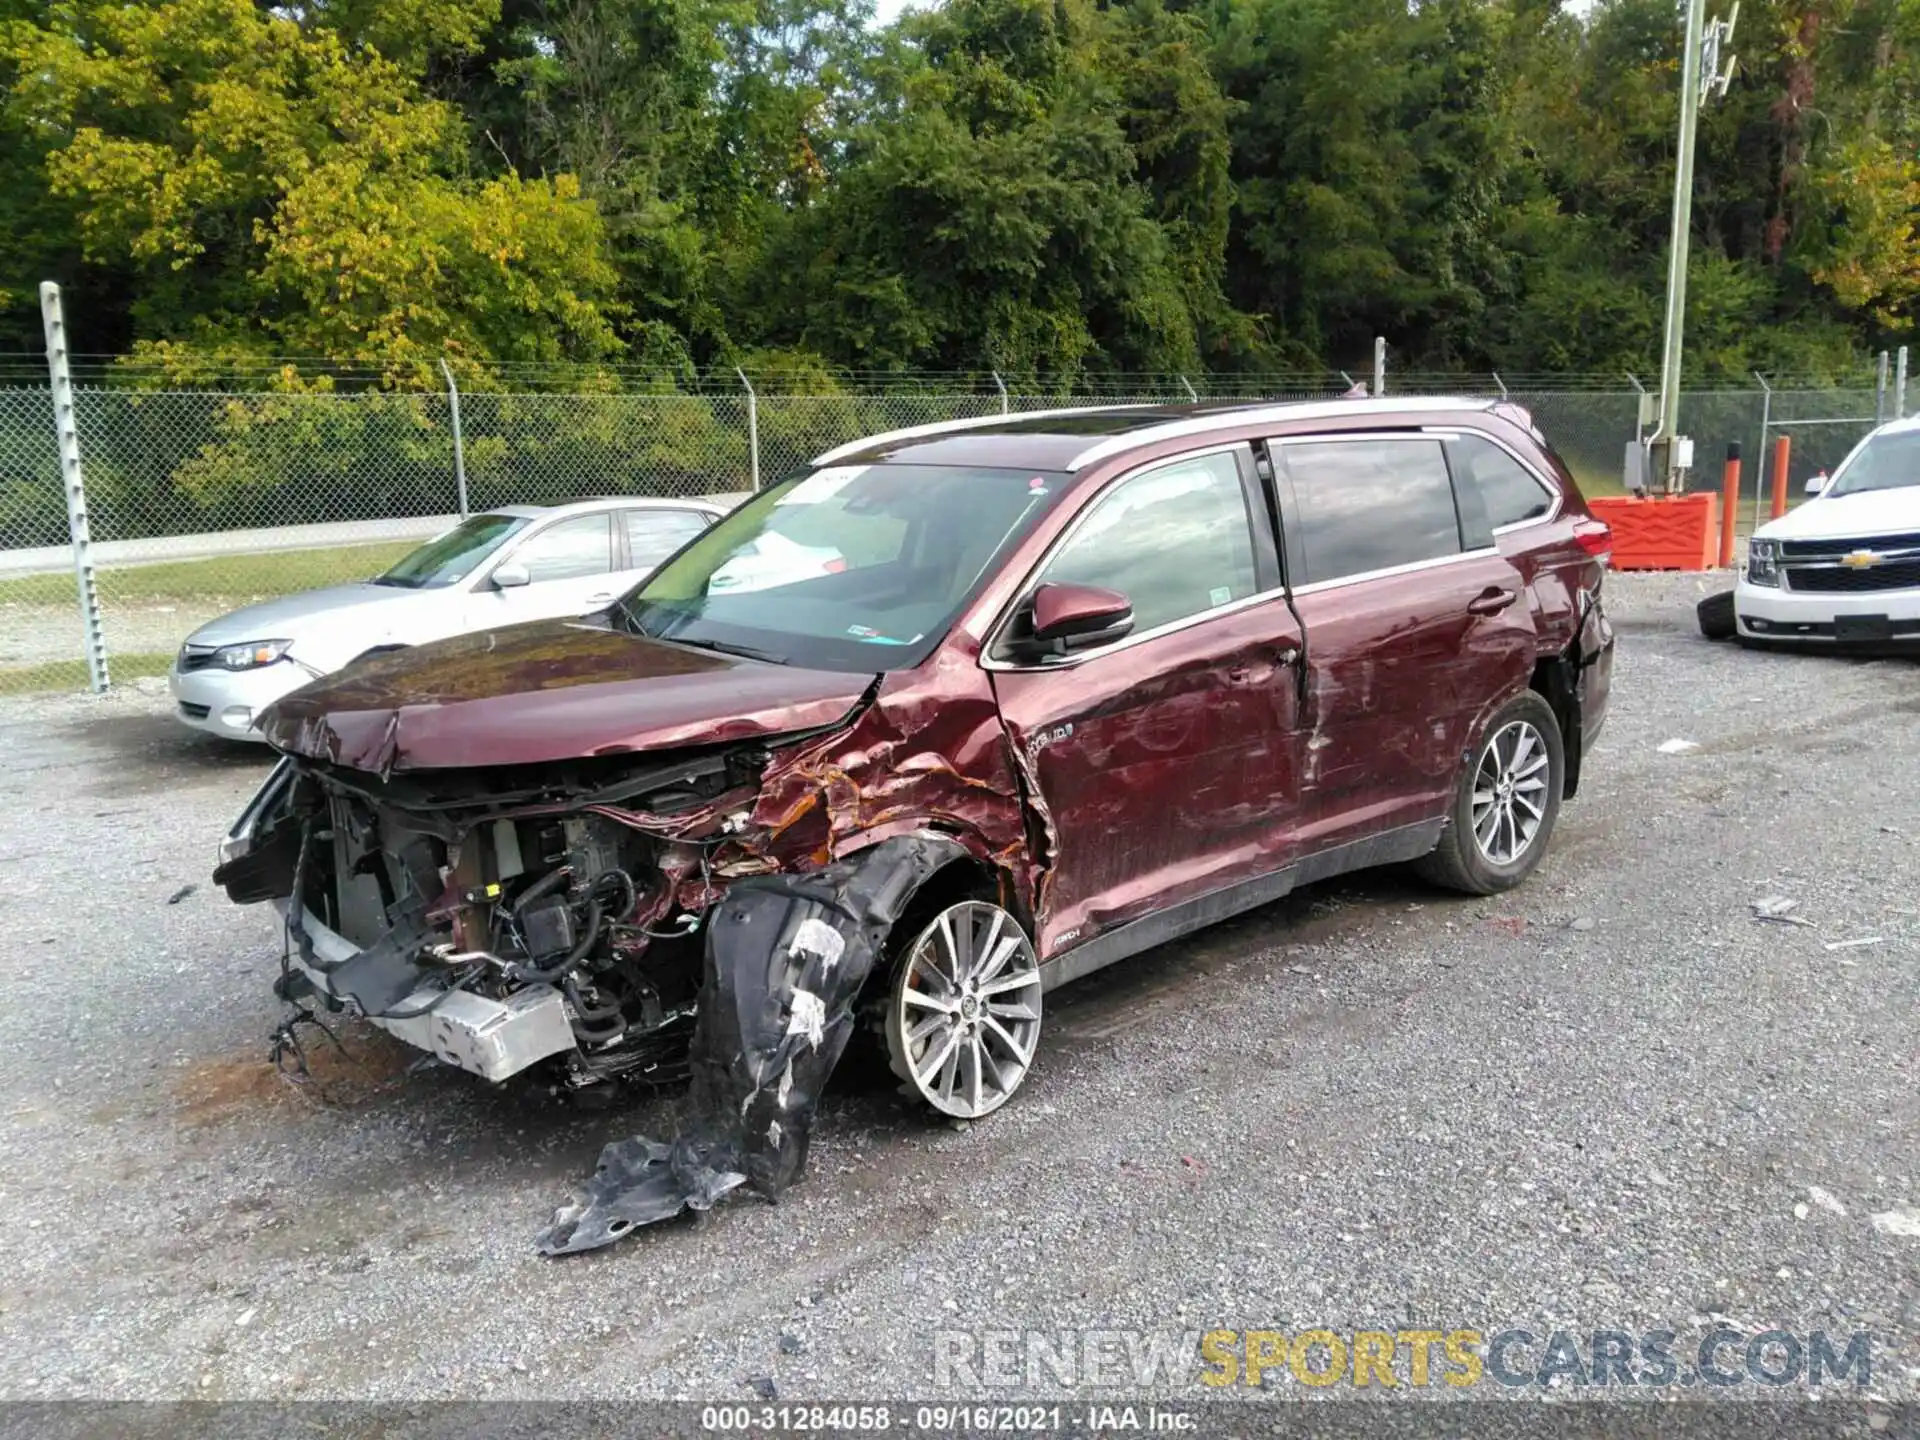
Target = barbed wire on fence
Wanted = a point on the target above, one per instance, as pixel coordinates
(205, 497)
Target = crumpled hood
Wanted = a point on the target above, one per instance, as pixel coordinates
(292, 616)
(543, 691)
(1842, 517)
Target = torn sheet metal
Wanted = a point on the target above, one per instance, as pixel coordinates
(786, 959)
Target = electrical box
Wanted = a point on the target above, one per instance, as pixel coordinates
(1633, 469)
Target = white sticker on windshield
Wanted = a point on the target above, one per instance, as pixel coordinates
(822, 485)
(1219, 595)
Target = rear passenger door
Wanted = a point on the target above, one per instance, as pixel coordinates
(1415, 626)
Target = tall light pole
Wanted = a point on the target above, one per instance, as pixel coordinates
(1700, 76)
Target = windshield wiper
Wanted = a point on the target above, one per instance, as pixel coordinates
(726, 648)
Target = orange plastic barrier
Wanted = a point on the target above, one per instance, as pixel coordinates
(1662, 532)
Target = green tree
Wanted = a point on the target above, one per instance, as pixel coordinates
(277, 181)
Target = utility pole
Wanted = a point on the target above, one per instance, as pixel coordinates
(1700, 77)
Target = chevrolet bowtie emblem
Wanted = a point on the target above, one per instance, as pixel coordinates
(1860, 559)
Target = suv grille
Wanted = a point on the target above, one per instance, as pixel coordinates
(1834, 549)
(1844, 579)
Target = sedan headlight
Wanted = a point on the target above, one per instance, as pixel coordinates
(251, 655)
(1763, 562)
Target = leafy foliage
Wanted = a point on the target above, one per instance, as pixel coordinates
(1049, 188)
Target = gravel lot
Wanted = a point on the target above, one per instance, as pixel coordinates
(1598, 1102)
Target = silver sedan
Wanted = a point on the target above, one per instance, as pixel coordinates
(520, 562)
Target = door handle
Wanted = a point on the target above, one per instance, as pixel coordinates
(1245, 674)
(1491, 601)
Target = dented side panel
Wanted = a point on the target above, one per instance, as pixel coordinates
(1400, 675)
(1165, 769)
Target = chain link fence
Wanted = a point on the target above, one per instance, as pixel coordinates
(202, 501)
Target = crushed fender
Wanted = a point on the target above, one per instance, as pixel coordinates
(786, 959)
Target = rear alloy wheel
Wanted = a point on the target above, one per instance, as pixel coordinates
(963, 1015)
(1507, 801)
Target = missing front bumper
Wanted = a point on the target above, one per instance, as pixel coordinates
(494, 1039)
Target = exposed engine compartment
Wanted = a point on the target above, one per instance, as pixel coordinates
(580, 895)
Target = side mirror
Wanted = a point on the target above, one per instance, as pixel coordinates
(511, 577)
(1817, 484)
(1065, 618)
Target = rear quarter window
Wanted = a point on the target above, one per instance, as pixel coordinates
(1510, 493)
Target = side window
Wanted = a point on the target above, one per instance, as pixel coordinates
(1369, 505)
(566, 551)
(653, 535)
(1175, 541)
(1507, 488)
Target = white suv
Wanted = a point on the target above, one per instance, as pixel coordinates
(1844, 567)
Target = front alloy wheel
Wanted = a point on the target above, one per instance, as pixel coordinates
(963, 1017)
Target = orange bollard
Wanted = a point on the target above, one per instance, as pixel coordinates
(1782, 452)
(1729, 505)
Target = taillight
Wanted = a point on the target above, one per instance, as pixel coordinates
(1596, 538)
(835, 566)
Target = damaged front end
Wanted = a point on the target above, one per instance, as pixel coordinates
(503, 921)
(643, 918)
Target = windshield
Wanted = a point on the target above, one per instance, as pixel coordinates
(859, 567)
(452, 557)
(1883, 462)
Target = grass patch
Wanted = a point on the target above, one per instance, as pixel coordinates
(227, 577)
(72, 674)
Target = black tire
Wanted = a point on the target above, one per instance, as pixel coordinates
(1717, 620)
(1462, 861)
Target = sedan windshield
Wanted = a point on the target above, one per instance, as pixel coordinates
(451, 557)
(859, 567)
(1885, 462)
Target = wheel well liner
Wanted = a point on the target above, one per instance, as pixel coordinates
(1556, 679)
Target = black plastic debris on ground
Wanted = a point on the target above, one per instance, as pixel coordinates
(786, 958)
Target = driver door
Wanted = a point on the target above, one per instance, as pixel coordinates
(569, 566)
(1166, 760)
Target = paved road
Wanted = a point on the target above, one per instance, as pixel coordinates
(1612, 1099)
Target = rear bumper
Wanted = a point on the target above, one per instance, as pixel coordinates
(494, 1039)
(1772, 614)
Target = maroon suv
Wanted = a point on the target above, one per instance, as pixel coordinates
(959, 714)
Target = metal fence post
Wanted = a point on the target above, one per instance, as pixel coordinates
(1900, 385)
(1001, 386)
(753, 429)
(1880, 393)
(67, 435)
(1766, 427)
(1379, 365)
(459, 444)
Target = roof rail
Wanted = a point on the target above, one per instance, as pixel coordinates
(1255, 414)
(978, 422)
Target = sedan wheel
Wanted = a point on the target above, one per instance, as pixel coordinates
(1510, 792)
(963, 1018)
